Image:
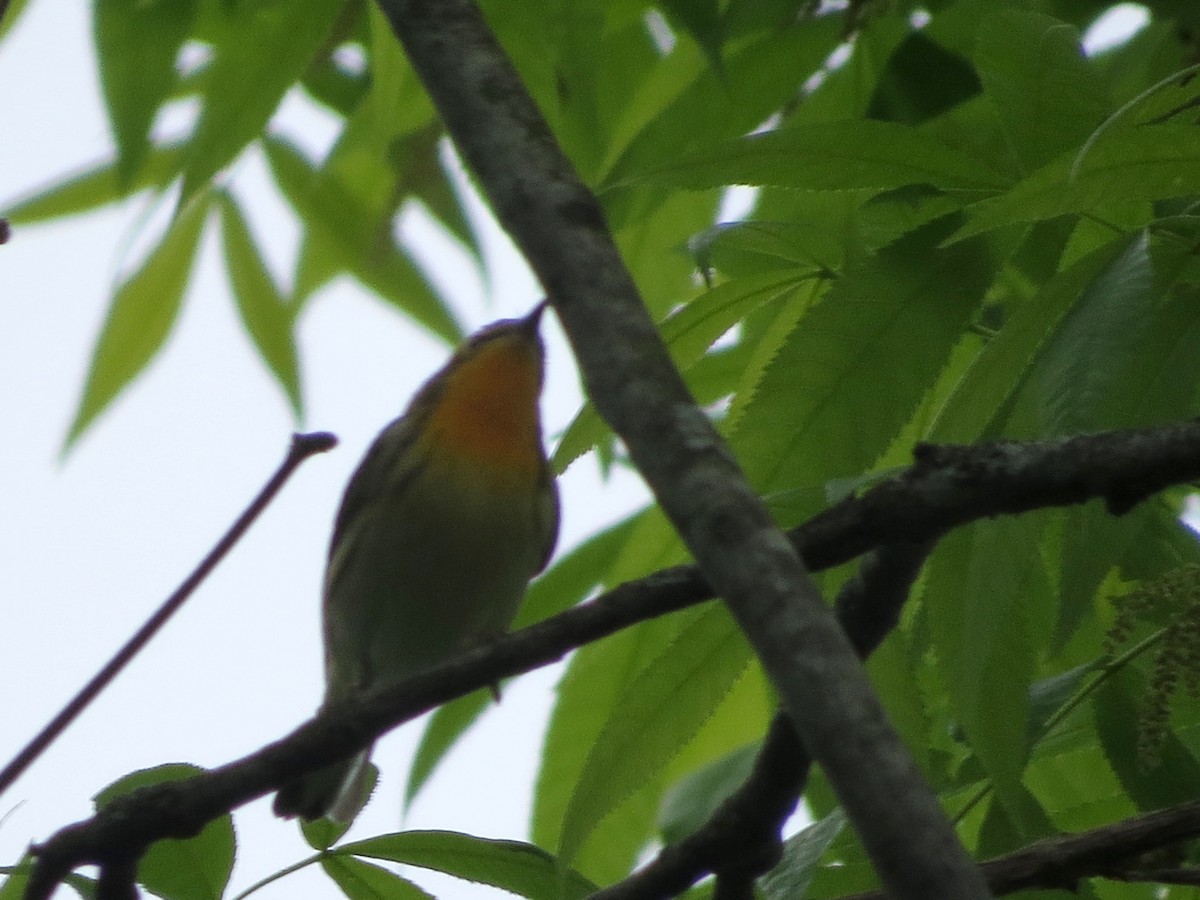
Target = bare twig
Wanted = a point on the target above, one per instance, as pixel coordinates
(302, 447)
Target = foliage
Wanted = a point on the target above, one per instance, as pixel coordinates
(961, 228)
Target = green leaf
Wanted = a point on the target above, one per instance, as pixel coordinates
(442, 732)
(801, 854)
(345, 238)
(261, 50)
(194, 869)
(1018, 53)
(688, 333)
(359, 880)
(702, 20)
(266, 314)
(1096, 344)
(657, 713)
(1151, 162)
(971, 411)
(137, 44)
(96, 187)
(855, 367)
(596, 677)
(519, 868)
(140, 316)
(835, 156)
(692, 801)
(985, 585)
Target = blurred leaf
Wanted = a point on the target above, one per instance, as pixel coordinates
(1149, 163)
(1018, 52)
(261, 50)
(827, 156)
(658, 711)
(96, 187)
(323, 833)
(266, 314)
(790, 878)
(137, 42)
(140, 316)
(10, 14)
(448, 723)
(359, 880)
(692, 801)
(194, 869)
(513, 866)
(347, 240)
(922, 80)
(702, 20)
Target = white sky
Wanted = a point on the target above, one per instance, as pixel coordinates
(90, 546)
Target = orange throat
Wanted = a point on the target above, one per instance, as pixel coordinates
(487, 414)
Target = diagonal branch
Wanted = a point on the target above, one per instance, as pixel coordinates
(560, 227)
(947, 488)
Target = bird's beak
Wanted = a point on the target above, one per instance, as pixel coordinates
(532, 321)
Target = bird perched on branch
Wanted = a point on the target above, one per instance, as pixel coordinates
(449, 515)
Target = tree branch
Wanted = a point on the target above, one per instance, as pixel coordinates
(1106, 852)
(560, 227)
(922, 503)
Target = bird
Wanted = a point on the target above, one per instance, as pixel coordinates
(449, 515)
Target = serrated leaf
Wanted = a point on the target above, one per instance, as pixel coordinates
(137, 44)
(971, 411)
(96, 187)
(323, 833)
(837, 156)
(266, 314)
(344, 237)
(514, 866)
(1018, 53)
(194, 869)
(984, 585)
(825, 408)
(1148, 163)
(1093, 346)
(791, 877)
(658, 711)
(688, 333)
(140, 316)
(360, 880)
(261, 50)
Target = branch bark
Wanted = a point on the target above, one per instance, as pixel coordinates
(946, 488)
(560, 227)
(1107, 852)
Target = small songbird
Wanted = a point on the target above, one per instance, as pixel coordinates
(449, 515)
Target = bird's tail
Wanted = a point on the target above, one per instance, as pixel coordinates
(338, 791)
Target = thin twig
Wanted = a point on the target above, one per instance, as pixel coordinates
(302, 447)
